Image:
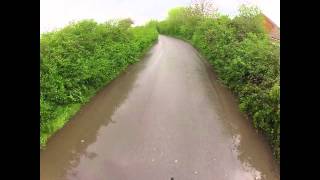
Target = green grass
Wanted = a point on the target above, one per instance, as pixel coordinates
(65, 113)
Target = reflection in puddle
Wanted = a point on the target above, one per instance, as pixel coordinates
(91, 155)
(249, 148)
(60, 160)
(249, 172)
(236, 143)
(257, 175)
(160, 129)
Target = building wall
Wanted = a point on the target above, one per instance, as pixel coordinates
(271, 28)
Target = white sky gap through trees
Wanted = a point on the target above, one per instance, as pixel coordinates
(58, 13)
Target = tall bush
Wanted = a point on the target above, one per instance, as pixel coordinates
(243, 56)
(79, 59)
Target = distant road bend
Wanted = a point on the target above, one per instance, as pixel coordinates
(166, 116)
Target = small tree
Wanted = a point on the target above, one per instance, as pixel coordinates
(204, 8)
(249, 20)
(125, 23)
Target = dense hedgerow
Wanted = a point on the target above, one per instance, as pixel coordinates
(81, 58)
(243, 56)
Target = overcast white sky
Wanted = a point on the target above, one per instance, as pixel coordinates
(58, 13)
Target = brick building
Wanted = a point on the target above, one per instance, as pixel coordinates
(271, 28)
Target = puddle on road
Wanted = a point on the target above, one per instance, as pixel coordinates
(65, 149)
(91, 146)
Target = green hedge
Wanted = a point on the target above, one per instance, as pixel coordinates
(243, 56)
(78, 60)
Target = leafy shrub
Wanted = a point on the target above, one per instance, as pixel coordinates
(243, 56)
(79, 59)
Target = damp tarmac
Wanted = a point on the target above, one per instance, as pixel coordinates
(165, 117)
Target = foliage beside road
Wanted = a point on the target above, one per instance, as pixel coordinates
(242, 54)
(81, 58)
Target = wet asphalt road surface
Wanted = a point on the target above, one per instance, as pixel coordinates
(166, 116)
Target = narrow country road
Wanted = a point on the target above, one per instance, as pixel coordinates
(166, 116)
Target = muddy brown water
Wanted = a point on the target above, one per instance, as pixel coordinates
(166, 116)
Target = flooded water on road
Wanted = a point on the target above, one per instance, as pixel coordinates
(166, 116)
